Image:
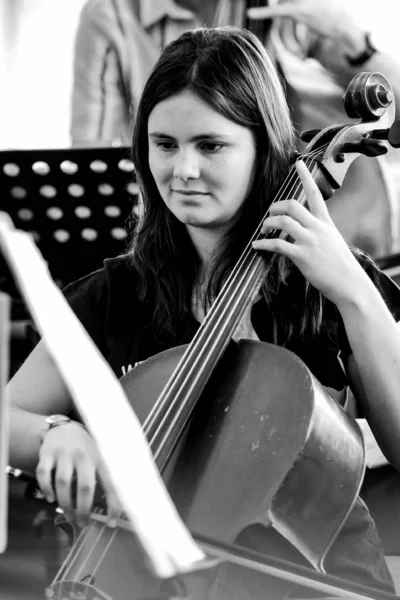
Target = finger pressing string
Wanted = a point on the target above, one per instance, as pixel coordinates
(315, 200)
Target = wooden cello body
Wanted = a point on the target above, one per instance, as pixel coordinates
(265, 444)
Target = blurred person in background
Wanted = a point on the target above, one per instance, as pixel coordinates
(318, 47)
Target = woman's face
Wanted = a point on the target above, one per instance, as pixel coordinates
(202, 163)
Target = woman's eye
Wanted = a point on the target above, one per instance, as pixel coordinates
(164, 145)
(211, 146)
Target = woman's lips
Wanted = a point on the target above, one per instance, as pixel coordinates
(190, 192)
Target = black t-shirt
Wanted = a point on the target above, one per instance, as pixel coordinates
(106, 303)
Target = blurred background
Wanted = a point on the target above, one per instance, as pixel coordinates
(36, 53)
(36, 50)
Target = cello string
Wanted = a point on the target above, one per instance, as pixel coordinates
(157, 408)
(229, 291)
(106, 549)
(89, 554)
(78, 546)
(76, 552)
(218, 319)
(83, 535)
(66, 564)
(105, 530)
(65, 567)
(75, 555)
(186, 372)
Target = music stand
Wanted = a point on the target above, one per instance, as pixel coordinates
(76, 202)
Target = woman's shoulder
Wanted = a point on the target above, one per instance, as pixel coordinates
(104, 299)
(389, 290)
(116, 277)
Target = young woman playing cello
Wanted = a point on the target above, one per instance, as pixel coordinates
(213, 141)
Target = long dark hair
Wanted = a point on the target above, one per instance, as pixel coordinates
(230, 70)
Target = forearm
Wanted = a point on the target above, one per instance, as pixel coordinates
(332, 55)
(26, 430)
(35, 390)
(375, 365)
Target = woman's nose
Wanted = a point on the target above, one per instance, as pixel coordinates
(186, 165)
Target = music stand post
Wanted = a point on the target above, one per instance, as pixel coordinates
(4, 416)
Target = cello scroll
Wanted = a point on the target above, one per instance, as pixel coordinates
(368, 97)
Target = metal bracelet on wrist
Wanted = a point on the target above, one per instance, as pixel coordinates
(56, 421)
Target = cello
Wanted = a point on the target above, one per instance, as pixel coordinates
(217, 391)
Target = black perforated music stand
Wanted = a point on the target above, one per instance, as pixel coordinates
(76, 202)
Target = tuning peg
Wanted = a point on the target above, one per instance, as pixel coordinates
(392, 135)
(308, 135)
(367, 146)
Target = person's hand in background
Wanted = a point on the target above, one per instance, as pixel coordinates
(333, 19)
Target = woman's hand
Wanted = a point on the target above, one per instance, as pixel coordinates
(317, 248)
(69, 454)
